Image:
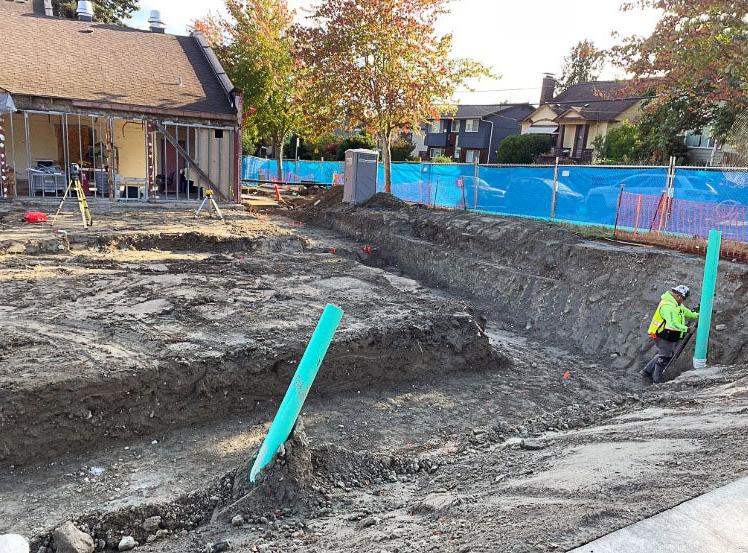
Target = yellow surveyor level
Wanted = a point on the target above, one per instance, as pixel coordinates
(210, 202)
(75, 185)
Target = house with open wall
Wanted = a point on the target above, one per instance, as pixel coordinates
(145, 114)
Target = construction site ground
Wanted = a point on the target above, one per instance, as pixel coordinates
(482, 393)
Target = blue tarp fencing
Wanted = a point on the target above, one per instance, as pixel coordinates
(586, 194)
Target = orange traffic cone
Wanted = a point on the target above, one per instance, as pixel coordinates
(277, 193)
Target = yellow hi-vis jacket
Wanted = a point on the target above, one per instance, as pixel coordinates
(669, 320)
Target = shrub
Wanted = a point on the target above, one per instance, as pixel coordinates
(441, 159)
(401, 149)
(523, 148)
(353, 143)
(620, 145)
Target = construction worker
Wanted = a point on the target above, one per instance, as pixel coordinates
(668, 327)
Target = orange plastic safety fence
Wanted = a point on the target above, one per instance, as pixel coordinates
(683, 224)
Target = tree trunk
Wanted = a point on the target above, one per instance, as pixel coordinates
(387, 158)
(278, 149)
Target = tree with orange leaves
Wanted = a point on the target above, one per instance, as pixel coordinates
(695, 61)
(256, 46)
(380, 65)
(583, 64)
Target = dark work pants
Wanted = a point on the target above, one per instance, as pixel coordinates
(665, 351)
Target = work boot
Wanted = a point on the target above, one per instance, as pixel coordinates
(646, 377)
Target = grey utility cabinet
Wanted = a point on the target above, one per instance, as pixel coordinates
(360, 175)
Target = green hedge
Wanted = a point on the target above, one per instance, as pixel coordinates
(523, 148)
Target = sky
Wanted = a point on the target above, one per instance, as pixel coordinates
(518, 39)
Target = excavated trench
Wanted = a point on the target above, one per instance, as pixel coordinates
(594, 297)
(133, 340)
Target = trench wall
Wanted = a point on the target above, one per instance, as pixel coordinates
(594, 297)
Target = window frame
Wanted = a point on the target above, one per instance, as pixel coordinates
(473, 153)
(469, 121)
(433, 155)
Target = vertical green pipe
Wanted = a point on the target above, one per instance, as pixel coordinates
(297, 391)
(707, 298)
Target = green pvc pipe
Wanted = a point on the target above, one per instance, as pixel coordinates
(289, 410)
(707, 298)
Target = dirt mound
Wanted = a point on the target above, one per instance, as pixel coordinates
(381, 200)
(351, 469)
(329, 198)
(287, 483)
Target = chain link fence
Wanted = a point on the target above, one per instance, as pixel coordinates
(626, 199)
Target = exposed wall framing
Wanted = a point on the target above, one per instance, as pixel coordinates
(123, 157)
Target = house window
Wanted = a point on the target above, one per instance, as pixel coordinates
(472, 156)
(436, 126)
(458, 151)
(437, 152)
(472, 125)
(457, 125)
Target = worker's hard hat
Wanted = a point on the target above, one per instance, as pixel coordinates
(682, 290)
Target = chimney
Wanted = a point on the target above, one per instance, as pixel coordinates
(548, 89)
(157, 26)
(85, 10)
(48, 8)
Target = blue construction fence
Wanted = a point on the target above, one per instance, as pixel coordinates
(585, 194)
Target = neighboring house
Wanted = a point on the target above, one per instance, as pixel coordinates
(577, 116)
(703, 149)
(419, 142)
(474, 133)
(146, 115)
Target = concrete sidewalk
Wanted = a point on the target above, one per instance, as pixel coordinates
(716, 522)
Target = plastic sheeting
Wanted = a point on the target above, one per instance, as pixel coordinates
(585, 194)
(324, 173)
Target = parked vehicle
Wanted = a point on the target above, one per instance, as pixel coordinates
(533, 196)
(604, 199)
(490, 197)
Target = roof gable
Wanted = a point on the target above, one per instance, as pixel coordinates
(596, 100)
(76, 60)
(546, 112)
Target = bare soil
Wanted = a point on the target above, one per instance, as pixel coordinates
(479, 396)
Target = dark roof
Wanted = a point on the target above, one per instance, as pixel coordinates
(76, 60)
(596, 101)
(477, 111)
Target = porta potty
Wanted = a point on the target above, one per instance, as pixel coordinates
(360, 175)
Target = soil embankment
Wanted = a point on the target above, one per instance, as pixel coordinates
(591, 296)
(119, 341)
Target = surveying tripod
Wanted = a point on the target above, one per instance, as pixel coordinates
(75, 186)
(208, 200)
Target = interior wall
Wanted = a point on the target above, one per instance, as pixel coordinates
(44, 144)
(129, 138)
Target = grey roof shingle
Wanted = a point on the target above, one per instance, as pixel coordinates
(598, 100)
(18, 6)
(76, 60)
(477, 111)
